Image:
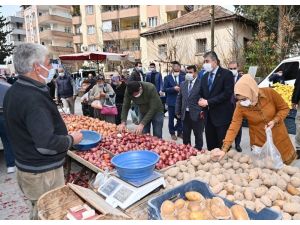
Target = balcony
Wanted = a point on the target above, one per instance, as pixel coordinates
(18, 31)
(47, 18)
(130, 34)
(110, 15)
(129, 12)
(77, 39)
(50, 34)
(172, 8)
(121, 13)
(136, 54)
(60, 50)
(76, 20)
(107, 36)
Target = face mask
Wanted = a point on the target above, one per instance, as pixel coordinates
(139, 94)
(100, 85)
(235, 72)
(207, 67)
(140, 68)
(175, 73)
(152, 70)
(50, 76)
(245, 103)
(61, 74)
(189, 77)
(115, 83)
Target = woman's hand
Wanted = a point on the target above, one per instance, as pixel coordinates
(217, 154)
(270, 125)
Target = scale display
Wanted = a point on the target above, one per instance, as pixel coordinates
(123, 194)
(109, 187)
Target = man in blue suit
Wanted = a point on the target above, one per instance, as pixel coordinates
(155, 78)
(171, 88)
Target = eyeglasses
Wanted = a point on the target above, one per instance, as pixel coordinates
(232, 68)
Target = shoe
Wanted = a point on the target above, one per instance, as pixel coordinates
(180, 136)
(173, 136)
(11, 169)
(238, 148)
(298, 154)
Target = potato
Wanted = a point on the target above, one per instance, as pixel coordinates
(253, 174)
(249, 205)
(280, 193)
(217, 188)
(259, 205)
(239, 170)
(272, 194)
(230, 198)
(179, 176)
(295, 199)
(215, 171)
(276, 208)
(231, 171)
(203, 159)
(223, 193)
(172, 172)
(236, 180)
(183, 168)
(270, 181)
(167, 208)
(194, 206)
(239, 212)
(297, 175)
(221, 177)
(221, 212)
(290, 170)
(179, 163)
(200, 173)
(296, 216)
(191, 171)
(279, 203)
(227, 165)
(266, 201)
(286, 216)
(197, 215)
(291, 207)
(223, 161)
(227, 176)
(245, 166)
(254, 183)
(179, 203)
(184, 214)
(292, 190)
(281, 183)
(194, 196)
(238, 196)
(244, 159)
(168, 217)
(235, 165)
(285, 176)
(248, 193)
(217, 201)
(194, 161)
(295, 181)
(231, 153)
(206, 167)
(213, 181)
(237, 156)
(260, 191)
(229, 187)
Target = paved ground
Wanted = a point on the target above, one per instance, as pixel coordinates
(12, 204)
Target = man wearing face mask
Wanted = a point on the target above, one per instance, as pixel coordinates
(137, 73)
(188, 110)
(145, 96)
(119, 87)
(171, 88)
(216, 99)
(36, 131)
(233, 67)
(66, 89)
(155, 78)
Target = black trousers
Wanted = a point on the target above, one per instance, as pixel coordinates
(214, 135)
(238, 138)
(118, 117)
(197, 127)
(85, 109)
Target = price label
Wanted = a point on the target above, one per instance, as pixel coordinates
(109, 187)
(123, 194)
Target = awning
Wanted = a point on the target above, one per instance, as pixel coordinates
(96, 56)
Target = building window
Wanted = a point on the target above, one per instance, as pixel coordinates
(201, 45)
(77, 29)
(152, 21)
(68, 29)
(91, 29)
(89, 9)
(162, 50)
(92, 48)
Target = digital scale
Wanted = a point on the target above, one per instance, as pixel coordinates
(125, 193)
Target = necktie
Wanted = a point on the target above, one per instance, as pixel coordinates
(210, 81)
(176, 82)
(190, 87)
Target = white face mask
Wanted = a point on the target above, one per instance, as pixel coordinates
(61, 74)
(189, 77)
(246, 103)
(50, 76)
(207, 67)
(140, 68)
(175, 73)
(139, 94)
(235, 72)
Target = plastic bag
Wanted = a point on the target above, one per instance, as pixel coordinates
(268, 155)
(96, 104)
(134, 117)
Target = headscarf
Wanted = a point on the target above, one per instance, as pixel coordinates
(247, 87)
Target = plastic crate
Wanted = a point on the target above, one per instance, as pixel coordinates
(201, 187)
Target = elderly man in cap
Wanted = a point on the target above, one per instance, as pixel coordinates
(36, 131)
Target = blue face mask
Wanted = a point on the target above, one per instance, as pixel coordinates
(50, 76)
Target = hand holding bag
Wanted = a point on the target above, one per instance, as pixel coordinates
(109, 108)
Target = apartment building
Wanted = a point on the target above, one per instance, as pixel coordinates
(117, 28)
(17, 28)
(50, 25)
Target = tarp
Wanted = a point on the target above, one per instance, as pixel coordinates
(96, 56)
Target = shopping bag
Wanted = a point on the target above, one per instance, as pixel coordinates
(268, 155)
(109, 108)
(134, 117)
(97, 104)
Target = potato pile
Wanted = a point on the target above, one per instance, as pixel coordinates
(286, 92)
(196, 207)
(236, 179)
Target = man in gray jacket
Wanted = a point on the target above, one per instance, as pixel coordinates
(188, 110)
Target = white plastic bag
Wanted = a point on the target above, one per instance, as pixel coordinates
(96, 104)
(268, 155)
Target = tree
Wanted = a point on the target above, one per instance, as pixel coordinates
(5, 49)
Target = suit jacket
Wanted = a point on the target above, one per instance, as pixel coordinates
(135, 76)
(169, 84)
(184, 100)
(220, 107)
(158, 80)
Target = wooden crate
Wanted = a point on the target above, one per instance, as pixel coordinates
(54, 204)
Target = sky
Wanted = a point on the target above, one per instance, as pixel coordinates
(10, 10)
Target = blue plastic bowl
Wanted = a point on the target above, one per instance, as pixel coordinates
(90, 140)
(135, 165)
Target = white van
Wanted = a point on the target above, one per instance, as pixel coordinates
(290, 68)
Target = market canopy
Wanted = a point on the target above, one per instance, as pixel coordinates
(96, 56)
